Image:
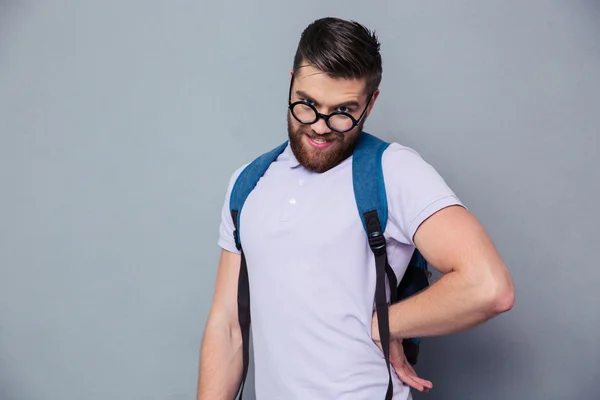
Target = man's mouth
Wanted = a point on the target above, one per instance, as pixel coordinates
(318, 142)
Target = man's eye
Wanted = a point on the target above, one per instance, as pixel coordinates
(343, 109)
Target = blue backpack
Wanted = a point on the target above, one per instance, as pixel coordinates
(371, 202)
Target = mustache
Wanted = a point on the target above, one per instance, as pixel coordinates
(330, 137)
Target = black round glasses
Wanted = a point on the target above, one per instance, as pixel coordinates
(338, 121)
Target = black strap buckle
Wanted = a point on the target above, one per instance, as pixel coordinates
(236, 233)
(377, 242)
(236, 236)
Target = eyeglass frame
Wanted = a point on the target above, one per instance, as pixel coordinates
(324, 116)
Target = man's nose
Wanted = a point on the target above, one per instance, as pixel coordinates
(320, 127)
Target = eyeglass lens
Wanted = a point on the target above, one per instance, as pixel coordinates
(306, 114)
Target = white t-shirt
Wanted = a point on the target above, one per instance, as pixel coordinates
(312, 273)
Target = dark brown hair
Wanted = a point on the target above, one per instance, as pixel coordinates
(342, 49)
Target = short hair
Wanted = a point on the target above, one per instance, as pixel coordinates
(342, 49)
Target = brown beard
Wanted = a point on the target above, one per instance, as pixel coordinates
(322, 160)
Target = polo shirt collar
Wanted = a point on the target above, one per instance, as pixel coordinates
(292, 160)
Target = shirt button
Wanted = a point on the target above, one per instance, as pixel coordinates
(292, 201)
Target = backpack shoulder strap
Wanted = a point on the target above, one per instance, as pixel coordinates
(367, 175)
(371, 201)
(244, 184)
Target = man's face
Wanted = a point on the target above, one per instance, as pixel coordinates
(316, 146)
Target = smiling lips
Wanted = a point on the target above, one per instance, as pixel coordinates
(319, 143)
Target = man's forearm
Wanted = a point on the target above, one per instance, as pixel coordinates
(220, 363)
(450, 305)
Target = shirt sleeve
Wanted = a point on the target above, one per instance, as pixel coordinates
(415, 191)
(226, 227)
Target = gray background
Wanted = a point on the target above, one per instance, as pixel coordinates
(120, 123)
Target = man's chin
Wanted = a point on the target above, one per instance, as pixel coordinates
(319, 157)
(319, 160)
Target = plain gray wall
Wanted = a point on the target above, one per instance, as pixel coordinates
(121, 122)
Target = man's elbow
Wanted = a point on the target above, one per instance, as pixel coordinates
(504, 300)
(498, 295)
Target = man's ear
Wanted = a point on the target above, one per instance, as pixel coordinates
(373, 100)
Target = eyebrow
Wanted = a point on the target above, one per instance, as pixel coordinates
(349, 104)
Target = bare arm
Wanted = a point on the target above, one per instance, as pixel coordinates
(475, 287)
(221, 353)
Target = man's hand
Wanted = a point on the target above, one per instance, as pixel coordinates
(398, 360)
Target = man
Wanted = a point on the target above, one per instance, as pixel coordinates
(312, 277)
